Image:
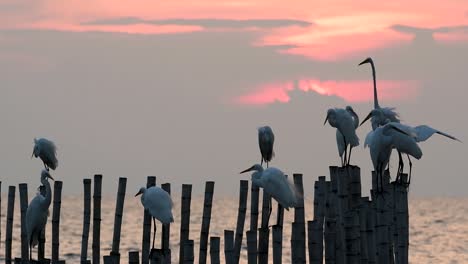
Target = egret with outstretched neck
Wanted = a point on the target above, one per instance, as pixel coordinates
(274, 182)
(159, 204)
(266, 139)
(47, 151)
(37, 213)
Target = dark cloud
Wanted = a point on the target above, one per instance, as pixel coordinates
(426, 33)
(207, 23)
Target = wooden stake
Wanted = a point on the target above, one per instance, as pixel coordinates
(9, 223)
(277, 244)
(97, 218)
(146, 237)
(214, 250)
(118, 218)
(244, 189)
(56, 221)
(86, 220)
(185, 221)
(252, 247)
(166, 230)
(205, 228)
(228, 246)
(188, 252)
(23, 191)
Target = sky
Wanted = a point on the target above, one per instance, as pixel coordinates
(177, 89)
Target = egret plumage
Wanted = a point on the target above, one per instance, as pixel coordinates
(266, 139)
(345, 121)
(383, 139)
(47, 151)
(274, 182)
(37, 212)
(159, 204)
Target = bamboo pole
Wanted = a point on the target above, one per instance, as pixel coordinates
(146, 237)
(252, 246)
(188, 252)
(371, 233)
(254, 207)
(214, 250)
(205, 228)
(9, 223)
(381, 225)
(320, 201)
(330, 224)
(277, 244)
(185, 221)
(96, 246)
(23, 192)
(86, 220)
(133, 257)
(299, 220)
(244, 189)
(402, 221)
(118, 219)
(264, 232)
(228, 246)
(166, 229)
(0, 212)
(315, 238)
(363, 229)
(56, 221)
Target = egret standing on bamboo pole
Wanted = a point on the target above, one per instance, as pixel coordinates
(46, 151)
(37, 213)
(274, 182)
(345, 121)
(159, 204)
(266, 139)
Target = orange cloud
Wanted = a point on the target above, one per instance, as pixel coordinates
(350, 91)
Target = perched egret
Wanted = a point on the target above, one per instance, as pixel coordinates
(46, 151)
(418, 133)
(387, 112)
(382, 140)
(266, 139)
(274, 182)
(37, 213)
(345, 121)
(158, 203)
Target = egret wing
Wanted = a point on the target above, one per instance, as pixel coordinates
(424, 132)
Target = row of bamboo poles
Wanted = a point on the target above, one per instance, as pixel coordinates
(346, 228)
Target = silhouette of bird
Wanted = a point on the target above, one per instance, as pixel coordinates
(274, 182)
(46, 151)
(266, 139)
(158, 203)
(37, 213)
(345, 121)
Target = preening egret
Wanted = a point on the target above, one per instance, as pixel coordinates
(418, 133)
(158, 203)
(274, 182)
(345, 121)
(266, 139)
(387, 112)
(382, 140)
(37, 212)
(46, 151)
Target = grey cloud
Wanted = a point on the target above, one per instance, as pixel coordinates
(207, 23)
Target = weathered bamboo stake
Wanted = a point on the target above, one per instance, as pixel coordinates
(86, 220)
(254, 220)
(352, 237)
(338, 176)
(381, 225)
(9, 223)
(299, 219)
(264, 232)
(243, 192)
(23, 191)
(363, 229)
(330, 224)
(96, 246)
(166, 229)
(277, 244)
(319, 216)
(188, 252)
(115, 254)
(0, 212)
(205, 228)
(157, 256)
(146, 237)
(56, 221)
(214, 250)
(352, 183)
(133, 257)
(402, 224)
(252, 246)
(315, 238)
(185, 221)
(228, 246)
(370, 231)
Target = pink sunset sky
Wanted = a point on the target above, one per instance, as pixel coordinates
(322, 31)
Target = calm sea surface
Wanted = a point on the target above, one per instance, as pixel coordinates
(438, 228)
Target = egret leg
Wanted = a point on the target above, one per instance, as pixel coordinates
(154, 230)
(400, 168)
(269, 213)
(410, 168)
(267, 164)
(261, 162)
(349, 157)
(345, 150)
(342, 161)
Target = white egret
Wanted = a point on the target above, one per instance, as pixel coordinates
(345, 121)
(46, 151)
(418, 133)
(158, 203)
(266, 139)
(37, 213)
(382, 140)
(387, 112)
(274, 182)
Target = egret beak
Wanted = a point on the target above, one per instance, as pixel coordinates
(50, 177)
(249, 169)
(401, 131)
(139, 192)
(32, 154)
(326, 119)
(365, 61)
(367, 118)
